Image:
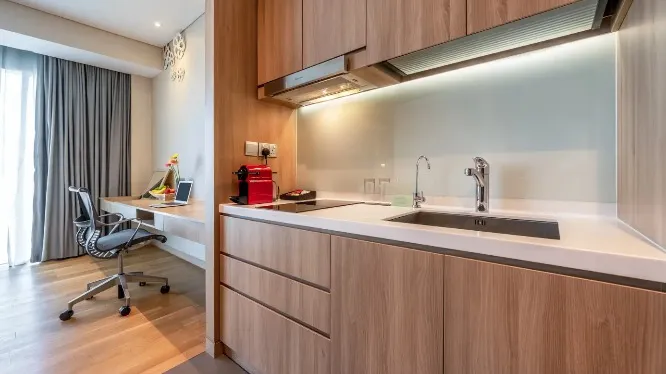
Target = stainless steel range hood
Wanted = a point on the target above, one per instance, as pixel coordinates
(326, 81)
(580, 16)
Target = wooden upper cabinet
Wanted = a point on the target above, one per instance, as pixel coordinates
(386, 309)
(398, 27)
(506, 320)
(332, 28)
(279, 38)
(486, 14)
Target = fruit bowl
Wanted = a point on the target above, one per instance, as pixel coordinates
(163, 196)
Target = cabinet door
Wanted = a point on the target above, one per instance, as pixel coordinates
(486, 14)
(304, 255)
(332, 28)
(264, 342)
(280, 38)
(397, 27)
(506, 320)
(294, 299)
(386, 309)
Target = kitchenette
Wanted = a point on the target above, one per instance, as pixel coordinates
(440, 186)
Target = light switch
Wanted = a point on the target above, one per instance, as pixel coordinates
(251, 149)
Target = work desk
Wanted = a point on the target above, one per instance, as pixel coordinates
(194, 211)
(183, 225)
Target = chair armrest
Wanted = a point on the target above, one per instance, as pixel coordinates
(140, 221)
(112, 214)
(117, 224)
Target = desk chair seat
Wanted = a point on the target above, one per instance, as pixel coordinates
(120, 239)
(114, 244)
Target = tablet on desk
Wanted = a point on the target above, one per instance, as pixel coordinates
(182, 196)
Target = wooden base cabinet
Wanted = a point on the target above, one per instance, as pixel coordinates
(265, 342)
(386, 309)
(505, 320)
(301, 254)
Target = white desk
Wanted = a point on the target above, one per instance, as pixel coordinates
(183, 226)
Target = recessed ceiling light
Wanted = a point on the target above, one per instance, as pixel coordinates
(157, 24)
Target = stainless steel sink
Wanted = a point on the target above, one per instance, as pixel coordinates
(511, 226)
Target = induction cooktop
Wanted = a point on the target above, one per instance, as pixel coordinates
(308, 206)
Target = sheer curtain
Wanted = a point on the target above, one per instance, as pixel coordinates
(18, 73)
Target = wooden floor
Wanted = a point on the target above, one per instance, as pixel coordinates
(162, 331)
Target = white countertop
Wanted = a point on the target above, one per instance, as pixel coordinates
(592, 243)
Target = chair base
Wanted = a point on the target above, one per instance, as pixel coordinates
(120, 280)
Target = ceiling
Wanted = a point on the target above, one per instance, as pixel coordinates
(134, 19)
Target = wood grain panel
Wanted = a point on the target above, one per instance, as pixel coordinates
(127, 205)
(332, 28)
(398, 27)
(268, 343)
(280, 38)
(301, 254)
(500, 319)
(233, 115)
(486, 14)
(642, 119)
(387, 309)
(299, 301)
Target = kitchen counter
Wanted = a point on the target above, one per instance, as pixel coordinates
(589, 243)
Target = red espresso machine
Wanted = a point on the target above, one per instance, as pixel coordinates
(255, 185)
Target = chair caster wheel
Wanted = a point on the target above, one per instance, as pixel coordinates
(125, 311)
(165, 289)
(141, 284)
(66, 315)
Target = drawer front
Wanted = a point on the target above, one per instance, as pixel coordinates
(185, 229)
(265, 342)
(304, 255)
(297, 300)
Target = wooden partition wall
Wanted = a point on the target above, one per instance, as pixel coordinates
(234, 115)
(642, 119)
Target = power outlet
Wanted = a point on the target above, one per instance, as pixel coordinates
(272, 148)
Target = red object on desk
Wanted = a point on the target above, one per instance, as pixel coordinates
(255, 185)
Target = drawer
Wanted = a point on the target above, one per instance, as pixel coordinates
(301, 302)
(183, 228)
(301, 254)
(264, 342)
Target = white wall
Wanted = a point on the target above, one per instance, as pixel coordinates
(545, 121)
(142, 133)
(178, 112)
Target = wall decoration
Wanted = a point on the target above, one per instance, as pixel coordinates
(172, 52)
(180, 74)
(168, 57)
(178, 45)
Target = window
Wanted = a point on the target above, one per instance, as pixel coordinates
(17, 134)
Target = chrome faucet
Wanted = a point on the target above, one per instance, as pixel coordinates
(481, 174)
(418, 196)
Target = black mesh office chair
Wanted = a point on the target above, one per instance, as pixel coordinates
(114, 244)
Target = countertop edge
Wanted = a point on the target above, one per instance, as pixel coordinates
(612, 264)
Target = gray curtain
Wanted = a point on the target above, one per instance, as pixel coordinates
(82, 139)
